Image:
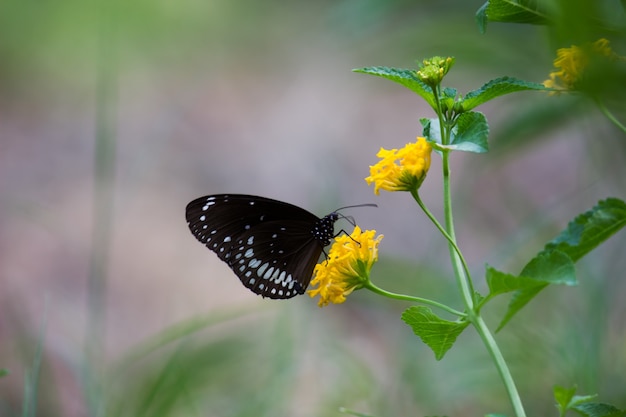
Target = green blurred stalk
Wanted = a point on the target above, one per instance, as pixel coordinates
(104, 186)
(31, 380)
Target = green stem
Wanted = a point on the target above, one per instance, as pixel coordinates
(370, 286)
(610, 116)
(465, 284)
(104, 187)
(464, 281)
(461, 272)
(443, 231)
(503, 369)
(440, 116)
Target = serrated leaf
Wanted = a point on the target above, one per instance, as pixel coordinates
(567, 400)
(481, 18)
(470, 133)
(501, 283)
(405, 77)
(431, 131)
(581, 399)
(590, 229)
(478, 298)
(435, 332)
(599, 410)
(449, 92)
(551, 267)
(554, 265)
(510, 11)
(563, 397)
(546, 268)
(496, 88)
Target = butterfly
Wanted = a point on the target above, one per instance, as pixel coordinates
(272, 246)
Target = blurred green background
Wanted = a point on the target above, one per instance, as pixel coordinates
(257, 97)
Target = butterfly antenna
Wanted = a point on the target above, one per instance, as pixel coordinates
(349, 219)
(359, 205)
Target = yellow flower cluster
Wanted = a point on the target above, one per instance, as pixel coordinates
(571, 63)
(347, 268)
(401, 169)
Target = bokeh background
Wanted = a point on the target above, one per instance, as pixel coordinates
(108, 305)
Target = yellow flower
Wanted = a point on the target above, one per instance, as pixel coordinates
(401, 169)
(347, 268)
(572, 64)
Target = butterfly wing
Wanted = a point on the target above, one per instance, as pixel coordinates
(267, 243)
(275, 259)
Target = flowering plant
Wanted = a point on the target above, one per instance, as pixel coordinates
(458, 127)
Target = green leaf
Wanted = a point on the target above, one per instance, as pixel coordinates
(510, 11)
(599, 410)
(555, 264)
(501, 283)
(546, 268)
(448, 92)
(566, 398)
(551, 267)
(563, 397)
(405, 77)
(437, 333)
(496, 88)
(432, 133)
(4, 372)
(590, 229)
(481, 18)
(469, 134)
(478, 298)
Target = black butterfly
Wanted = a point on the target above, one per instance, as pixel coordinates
(271, 246)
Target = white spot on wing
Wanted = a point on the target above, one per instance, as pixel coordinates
(275, 275)
(268, 273)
